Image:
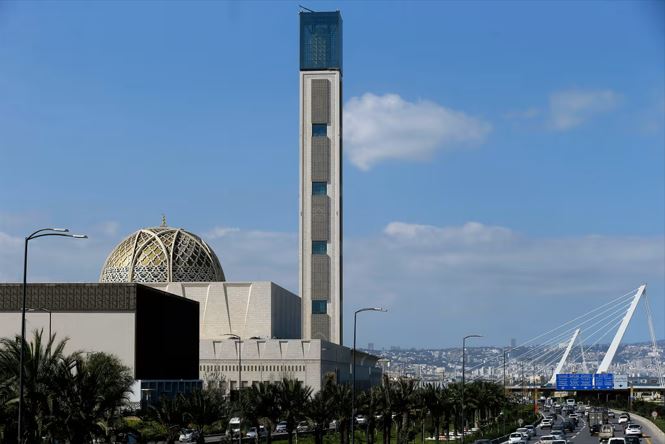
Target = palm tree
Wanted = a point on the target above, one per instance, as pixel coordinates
(340, 394)
(403, 398)
(386, 408)
(292, 396)
(319, 411)
(91, 391)
(203, 408)
(268, 407)
(41, 360)
(435, 405)
(170, 413)
(369, 404)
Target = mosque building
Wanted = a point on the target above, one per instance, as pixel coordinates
(164, 305)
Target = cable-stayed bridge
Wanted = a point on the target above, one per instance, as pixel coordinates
(573, 347)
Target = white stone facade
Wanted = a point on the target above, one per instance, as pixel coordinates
(247, 309)
(272, 360)
(321, 161)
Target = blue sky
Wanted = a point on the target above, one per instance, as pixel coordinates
(527, 166)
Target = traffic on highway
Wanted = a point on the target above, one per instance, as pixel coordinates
(568, 422)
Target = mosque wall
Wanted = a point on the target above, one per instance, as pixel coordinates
(247, 309)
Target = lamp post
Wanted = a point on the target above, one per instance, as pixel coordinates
(45, 310)
(463, 369)
(353, 368)
(64, 232)
(239, 342)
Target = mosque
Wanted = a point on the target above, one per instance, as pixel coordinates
(163, 303)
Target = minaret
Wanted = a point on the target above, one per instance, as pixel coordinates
(320, 247)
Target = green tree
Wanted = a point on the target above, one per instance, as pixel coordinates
(319, 411)
(171, 414)
(203, 408)
(92, 389)
(292, 397)
(340, 394)
(370, 405)
(41, 362)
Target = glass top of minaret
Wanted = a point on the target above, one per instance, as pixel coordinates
(320, 41)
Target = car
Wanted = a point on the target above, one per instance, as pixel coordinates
(515, 438)
(568, 425)
(251, 433)
(570, 401)
(545, 423)
(234, 425)
(616, 441)
(188, 435)
(610, 414)
(303, 426)
(633, 430)
(281, 427)
(547, 439)
(624, 418)
(558, 434)
(559, 441)
(361, 420)
(632, 439)
(606, 432)
(524, 431)
(532, 430)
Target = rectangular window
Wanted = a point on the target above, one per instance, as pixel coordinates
(319, 307)
(319, 130)
(319, 188)
(319, 247)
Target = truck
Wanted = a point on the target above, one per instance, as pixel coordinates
(597, 417)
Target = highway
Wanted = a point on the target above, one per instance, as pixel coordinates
(581, 433)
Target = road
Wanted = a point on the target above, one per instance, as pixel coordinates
(581, 434)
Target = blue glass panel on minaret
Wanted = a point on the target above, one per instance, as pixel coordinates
(320, 41)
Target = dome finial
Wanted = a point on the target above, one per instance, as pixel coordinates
(163, 220)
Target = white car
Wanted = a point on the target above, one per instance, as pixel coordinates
(616, 441)
(547, 439)
(624, 418)
(633, 430)
(524, 431)
(515, 438)
(252, 432)
(361, 420)
(188, 435)
(558, 434)
(559, 441)
(545, 423)
(281, 427)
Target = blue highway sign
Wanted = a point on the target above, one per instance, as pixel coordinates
(603, 381)
(574, 381)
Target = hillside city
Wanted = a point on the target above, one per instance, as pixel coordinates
(445, 365)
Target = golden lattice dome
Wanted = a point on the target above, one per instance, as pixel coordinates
(162, 254)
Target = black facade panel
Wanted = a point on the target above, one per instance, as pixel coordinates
(167, 336)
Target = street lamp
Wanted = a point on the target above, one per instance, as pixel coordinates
(45, 310)
(239, 342)
(463, 369)
(353, 368)
(39, 233)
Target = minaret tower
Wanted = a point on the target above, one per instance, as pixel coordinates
(320, 247)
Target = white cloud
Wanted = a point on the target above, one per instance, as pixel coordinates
(442, 281)
(378, 128)
(437, 281)
(218, 232)
(572, 108)
(108, 228)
